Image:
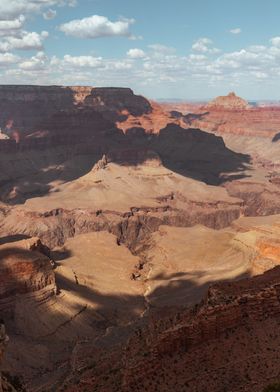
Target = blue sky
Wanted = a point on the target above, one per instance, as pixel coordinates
(162, 49)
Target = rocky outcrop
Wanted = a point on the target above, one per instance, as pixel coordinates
(228, 102)
(114, 102)
(131, 227)
(27, 110)
(257, 122)
(25, 269)
(259, 198)
(225, 343)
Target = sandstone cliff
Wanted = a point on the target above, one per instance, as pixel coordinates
(225, 343)
(26, 109)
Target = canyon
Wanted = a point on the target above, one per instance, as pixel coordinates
(139, 242)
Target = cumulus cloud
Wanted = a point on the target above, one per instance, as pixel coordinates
(25, 41)
(12, 9)
(50, 14)
(275, 41)
(236, 30)
(35, 63)
(97, 26)
(13, 24)
(136, 53)
(8, 59)
(162, 66)
(83, 61)
(204, 45)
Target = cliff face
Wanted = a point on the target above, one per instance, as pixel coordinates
(257, 122)
(224, 343)
(116, 101)
(22, 108)
(26, 109)
(24, 268)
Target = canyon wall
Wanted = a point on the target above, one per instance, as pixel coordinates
(25, 109)
(225, 343)
(25, 269)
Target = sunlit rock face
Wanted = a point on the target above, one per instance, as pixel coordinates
(228, 102)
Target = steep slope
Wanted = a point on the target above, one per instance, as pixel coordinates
(225, 343)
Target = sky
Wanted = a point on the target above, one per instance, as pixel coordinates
(180, 49)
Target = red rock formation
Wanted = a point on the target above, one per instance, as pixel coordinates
(24, 269)
(114, 102)
(228, 341)
(27, 108)
(152, 122)
(132, 227)
(263, 122)
(228, 102)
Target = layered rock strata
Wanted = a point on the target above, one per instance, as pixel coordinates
(25, 269)
(228, 102)
(225, 343)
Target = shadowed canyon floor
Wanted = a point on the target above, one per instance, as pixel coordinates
(133, 242)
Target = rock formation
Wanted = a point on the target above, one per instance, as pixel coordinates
(24, 269)
(26, 109)
(215, 345)
(116, 101)
(228, 102)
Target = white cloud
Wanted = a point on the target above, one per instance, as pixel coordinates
(236, 30)
(25, 41)
(204, 45)
(260, 75)
(50, 14)
(8, 58)
(97, 26)
(82, 61)
(162, 49)
(118, 65)
(162, 69)
(197, 57)
(12, 9)
(35, 63)
(275, 41)
(136, 53)
(13, 24)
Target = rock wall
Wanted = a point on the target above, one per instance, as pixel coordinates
(132, 227)
(228, 342)
(26, 109)
(257, 122)
(117, 100)
(25, 268)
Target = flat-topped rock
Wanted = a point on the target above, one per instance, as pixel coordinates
(228, 102)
